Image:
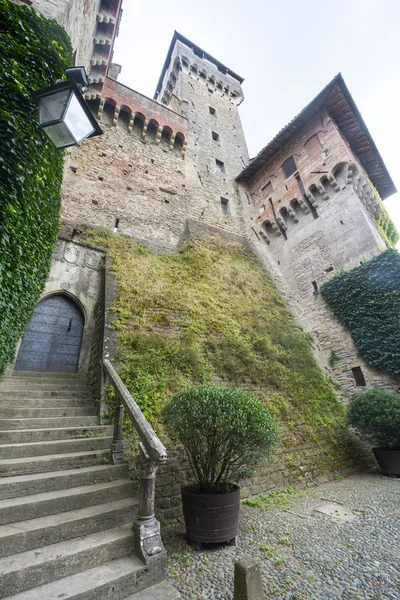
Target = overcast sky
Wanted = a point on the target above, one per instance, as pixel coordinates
(286, 51)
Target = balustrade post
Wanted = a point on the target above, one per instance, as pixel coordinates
(117, 448)
(148, 543)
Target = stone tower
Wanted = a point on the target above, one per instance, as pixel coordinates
(314, 203)
(216, 146)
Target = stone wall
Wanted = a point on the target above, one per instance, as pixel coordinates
(78, 17)
(309, 239)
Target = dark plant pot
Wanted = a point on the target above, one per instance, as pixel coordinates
(211, 518)
(388, 460)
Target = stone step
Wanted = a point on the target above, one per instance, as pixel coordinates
(50, 401)
(59, 501)
(23, 436)
(51, 462)
(54, 447)
(37, 483)
(160, 591)
(42, 565)
(110, 581)
(42, 394)
(18, 412)
(6, 424)
(33, 533)
(26, 385)
(63, 500)
(41, 375)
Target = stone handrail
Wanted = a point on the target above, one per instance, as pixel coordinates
(154, 448)
(152, 454)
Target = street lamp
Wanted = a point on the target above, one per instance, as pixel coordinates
(63, 113)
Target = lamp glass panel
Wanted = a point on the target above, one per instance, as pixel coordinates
(77, 121)
(59, 135)
(51, 107)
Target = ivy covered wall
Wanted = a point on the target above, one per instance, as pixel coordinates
(366, 300)
(33, 54)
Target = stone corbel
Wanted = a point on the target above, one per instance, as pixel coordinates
(333, 183)
(101, 107)
(159, 134)
(116, 114)
(145, 126)
(322, 190)
(172, 141)
(131, 121)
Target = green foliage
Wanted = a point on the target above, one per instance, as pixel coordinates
(276, 498)
(376, 415)
(384, 223)
(333, 358)
(225, 431)
(33, 54)
(367, 301)
(210, 311)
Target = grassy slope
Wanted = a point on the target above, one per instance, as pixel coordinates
(210, 310)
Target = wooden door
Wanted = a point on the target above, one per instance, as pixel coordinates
(53, 337)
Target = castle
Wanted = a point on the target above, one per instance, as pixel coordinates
(176, 166)
(168, 170)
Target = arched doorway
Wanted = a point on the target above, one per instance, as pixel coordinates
(52, 339)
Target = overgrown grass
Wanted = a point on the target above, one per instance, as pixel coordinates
(211, 311)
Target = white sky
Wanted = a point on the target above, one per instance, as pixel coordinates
(286, 51)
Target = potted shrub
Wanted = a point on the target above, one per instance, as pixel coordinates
(376, 415)
(226, 432)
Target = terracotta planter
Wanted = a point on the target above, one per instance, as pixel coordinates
(211, 518)
(388, 460)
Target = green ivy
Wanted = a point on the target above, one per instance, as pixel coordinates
(34, 53)
(367, 301)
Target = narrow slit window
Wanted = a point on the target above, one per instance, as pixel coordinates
(215, 136)
(315, 288)
(358, 376)
(116, 225)
(220, 165)
(212, 110)
(225, 206)
(289, 167)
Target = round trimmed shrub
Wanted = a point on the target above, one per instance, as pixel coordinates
(376, 415)
(225, 431)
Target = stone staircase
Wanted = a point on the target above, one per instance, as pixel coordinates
(66, 512)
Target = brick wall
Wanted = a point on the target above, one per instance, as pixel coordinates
(298, 247)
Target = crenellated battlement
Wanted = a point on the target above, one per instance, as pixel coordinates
(343, 176)
(184, 56)
(142, 116)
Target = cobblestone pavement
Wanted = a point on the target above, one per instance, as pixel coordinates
(304, 554)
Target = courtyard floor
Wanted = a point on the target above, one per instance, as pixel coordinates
(352, 551)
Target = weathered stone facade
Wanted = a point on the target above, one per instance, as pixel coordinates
(167, 169)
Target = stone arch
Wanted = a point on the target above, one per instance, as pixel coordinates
(185, 65)
(283, 217)
(108, 110)
(220, 88)
(179, 140)
(203, 77)
(124, 116)
(211, 83)
(55, 347)
(152, 130)
(194, 70)
(295, 210)
(138, 124)
(317, 191)
(266, 226)
(166, 135)
(327, 186)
